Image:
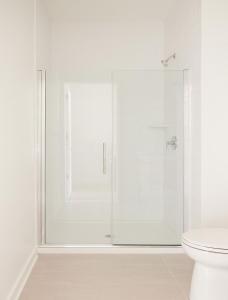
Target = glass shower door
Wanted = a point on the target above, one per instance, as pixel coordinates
(78, 168)
(147, 157)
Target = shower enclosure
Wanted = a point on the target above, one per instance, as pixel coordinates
(112, 159)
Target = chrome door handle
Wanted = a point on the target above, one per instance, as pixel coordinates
(104, 158)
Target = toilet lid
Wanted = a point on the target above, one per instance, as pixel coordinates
(213, 238)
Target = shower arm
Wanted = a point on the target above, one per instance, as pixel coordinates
(166, 61)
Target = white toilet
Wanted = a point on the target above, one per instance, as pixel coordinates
(209, 249)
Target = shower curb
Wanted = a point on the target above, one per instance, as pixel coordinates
(109, 250)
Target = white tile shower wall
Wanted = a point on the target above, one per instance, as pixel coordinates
(173, 158)
(17, 175)
(183, 36)
(139, 146)
(214, 112)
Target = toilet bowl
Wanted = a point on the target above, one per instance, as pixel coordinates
(209, 249)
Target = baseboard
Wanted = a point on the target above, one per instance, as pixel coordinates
(23, 276)
(108, 250)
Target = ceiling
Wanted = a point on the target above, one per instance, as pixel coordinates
(108, 9)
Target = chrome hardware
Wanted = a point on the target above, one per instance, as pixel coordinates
(104, 158)
(172, 143)
(165, 62)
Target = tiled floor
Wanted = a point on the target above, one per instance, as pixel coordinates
(109, 277)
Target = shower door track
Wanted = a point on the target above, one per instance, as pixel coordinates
(108, 249)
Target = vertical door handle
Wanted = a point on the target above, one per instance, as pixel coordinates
(104, 158)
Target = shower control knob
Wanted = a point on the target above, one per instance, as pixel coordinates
(172, 143)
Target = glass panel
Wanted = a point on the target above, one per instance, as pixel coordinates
(148, 157)
(78, 169)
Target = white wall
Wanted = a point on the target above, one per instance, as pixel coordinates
(214, 112)
(98, 47)
(17, 192)
(183, 36)
(43, 36)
